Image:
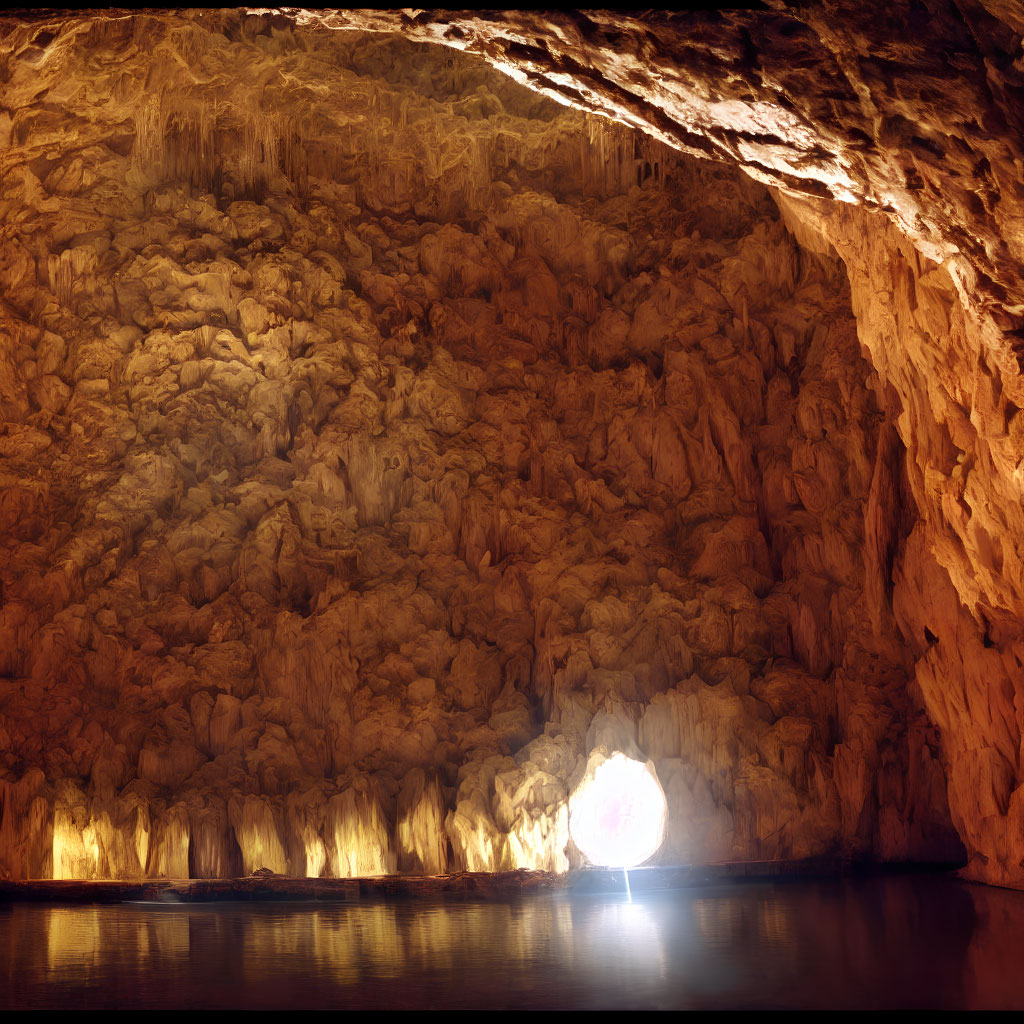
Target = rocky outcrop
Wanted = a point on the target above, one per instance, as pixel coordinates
(956, 578)
(382, 440)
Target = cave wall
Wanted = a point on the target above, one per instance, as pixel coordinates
(381, 440)
(956, 578)
(907, 121)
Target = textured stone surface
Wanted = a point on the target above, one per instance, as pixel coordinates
(913, 110)
(913, 113)
(381, 439)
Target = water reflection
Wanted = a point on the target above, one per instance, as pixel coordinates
(897, 942)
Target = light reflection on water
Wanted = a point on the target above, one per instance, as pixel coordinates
(900, 942)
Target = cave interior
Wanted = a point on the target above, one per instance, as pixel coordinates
(392, 434)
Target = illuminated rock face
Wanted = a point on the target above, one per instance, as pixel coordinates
(381, 439)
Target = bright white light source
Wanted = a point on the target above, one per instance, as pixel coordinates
(617, 813)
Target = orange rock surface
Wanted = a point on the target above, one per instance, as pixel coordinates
(380, 439)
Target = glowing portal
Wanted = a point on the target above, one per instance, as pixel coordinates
(617, 814)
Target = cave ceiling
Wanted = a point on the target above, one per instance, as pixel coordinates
(912, 108)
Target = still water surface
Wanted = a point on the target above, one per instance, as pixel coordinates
(929, 942)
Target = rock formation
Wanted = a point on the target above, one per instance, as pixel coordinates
(381, 439)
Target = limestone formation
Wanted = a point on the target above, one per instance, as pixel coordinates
(892, 136)
(381, 440)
